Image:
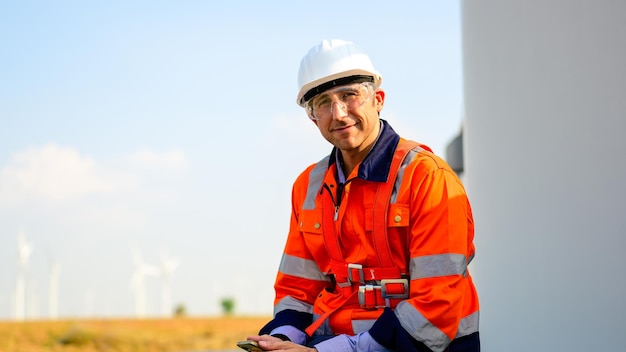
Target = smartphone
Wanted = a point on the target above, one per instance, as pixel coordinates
(249, 345)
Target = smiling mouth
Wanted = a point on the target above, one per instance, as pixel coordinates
(342, 128)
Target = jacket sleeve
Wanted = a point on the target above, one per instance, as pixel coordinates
(299, 279)
(388, 332)
(440, 241)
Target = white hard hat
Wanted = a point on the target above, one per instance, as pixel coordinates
(332, 63)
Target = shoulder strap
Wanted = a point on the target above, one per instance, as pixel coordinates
(381, 204)
(380, 212)
(381, 242)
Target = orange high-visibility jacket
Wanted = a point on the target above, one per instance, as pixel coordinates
(355, 256)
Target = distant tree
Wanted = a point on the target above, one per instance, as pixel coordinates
(228, 305)
(180, 311)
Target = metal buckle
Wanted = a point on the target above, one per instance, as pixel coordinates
(358, 267)
(363, 291)
(404, 282)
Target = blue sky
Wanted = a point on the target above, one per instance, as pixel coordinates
(172, 127)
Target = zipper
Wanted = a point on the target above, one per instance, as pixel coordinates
(337, 203)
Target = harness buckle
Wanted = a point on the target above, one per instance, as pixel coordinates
(367, 296)
(356, 268)
(395, 288)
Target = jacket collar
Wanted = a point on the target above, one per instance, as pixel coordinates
(376, 165)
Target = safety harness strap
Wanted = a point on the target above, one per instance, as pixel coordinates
(346, 271)
(356, 273)
(331, 240)
(381, 205)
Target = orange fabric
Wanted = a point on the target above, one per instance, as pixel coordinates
(431, 216)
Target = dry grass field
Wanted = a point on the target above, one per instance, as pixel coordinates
(128, 335)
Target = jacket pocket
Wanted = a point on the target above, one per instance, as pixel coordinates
(397, 216)
(311, 221)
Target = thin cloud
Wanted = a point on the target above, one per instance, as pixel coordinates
(55, 174)
(174, 160)
(52, 173)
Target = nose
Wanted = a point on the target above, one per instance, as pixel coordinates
(341, 111)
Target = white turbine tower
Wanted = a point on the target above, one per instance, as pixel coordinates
(168, 265)
(24, 251)
(138, 282)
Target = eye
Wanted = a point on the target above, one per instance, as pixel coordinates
(321, 103)
(349, 95)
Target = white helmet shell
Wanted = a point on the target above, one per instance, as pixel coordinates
(331, 60)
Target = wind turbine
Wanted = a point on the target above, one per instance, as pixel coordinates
(138, 282)
(168, 265)
(24, 251)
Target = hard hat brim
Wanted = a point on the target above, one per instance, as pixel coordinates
(304, 96)
(335, 83)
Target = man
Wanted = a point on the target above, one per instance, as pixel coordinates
(381, 230)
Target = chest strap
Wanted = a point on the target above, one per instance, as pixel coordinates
(348, 274)
(370, 295)
(379, 219)
(381, 205)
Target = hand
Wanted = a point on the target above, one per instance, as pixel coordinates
(271, 343)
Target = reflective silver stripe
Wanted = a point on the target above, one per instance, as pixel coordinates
(362, 325)
(468, 325)
(407, 160)
(316, 177)
(289, 302)
(420, 328)
(302, 268)
(437, 265)
(470, 258)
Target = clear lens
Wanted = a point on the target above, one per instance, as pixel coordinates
(346, 98)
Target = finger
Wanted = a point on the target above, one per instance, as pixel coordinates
(268, 344)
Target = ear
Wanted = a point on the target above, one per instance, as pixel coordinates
(380, 99)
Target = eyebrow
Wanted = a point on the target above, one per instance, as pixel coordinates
(336, 90)
(343, 89)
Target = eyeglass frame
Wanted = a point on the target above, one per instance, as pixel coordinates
(344, 106)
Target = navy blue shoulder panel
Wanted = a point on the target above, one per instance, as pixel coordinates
(377, 163)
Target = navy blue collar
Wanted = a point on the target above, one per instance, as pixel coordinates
(376, 165)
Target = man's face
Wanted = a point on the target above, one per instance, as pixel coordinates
(347, 116)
